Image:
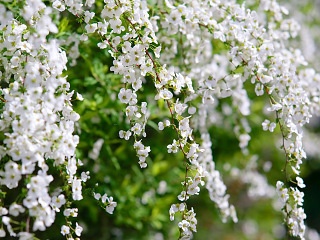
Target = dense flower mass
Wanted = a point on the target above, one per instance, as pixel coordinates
(183, 67)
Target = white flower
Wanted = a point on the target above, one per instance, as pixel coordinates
(3, 211)
(65, 230)
(244, 140)
(259, 89)
(267, 125)
(193, 189)
(275, 107)
(265, 79)
(58, 5)
(57, 202)
(79, 97)
(76, 189)
(85, 176)
(184, 127)
(194, 148)
(173, 148)
(157, 51)
(184, 225)
(160, 126)
(137, 129)
(165, 94)
(180, 107)
(173, 209)
(282, 192)
(183, 196)
(84, 37)
(111, 205)
(97, 196)
(104, 198)
(73, 212)
(25, 236)
(89, 3)
(125, 95)
(78, 230)
(279, 185)
(88, 16)
(192, 110)
(103, 44)
(103, 27)
(116, 25)
(125, 134)
(91, 28)
(16, 209)
(12, 175)
(300, 182)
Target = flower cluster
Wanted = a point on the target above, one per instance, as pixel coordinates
(106, 201)
(172, 49)
(143, 46)
(292, 201)
(37, 119)
(189, 222)
(261, 55)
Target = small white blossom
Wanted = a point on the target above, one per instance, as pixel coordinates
(65, 230)
(78, 230)
(58, 5)
(79, 97)
(300, 182)
(165, 94)
(91, 28)
(111, 205)
(160, 126)
(267, 125)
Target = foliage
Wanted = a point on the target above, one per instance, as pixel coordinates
(154, 120)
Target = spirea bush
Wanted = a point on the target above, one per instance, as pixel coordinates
(152, 119)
